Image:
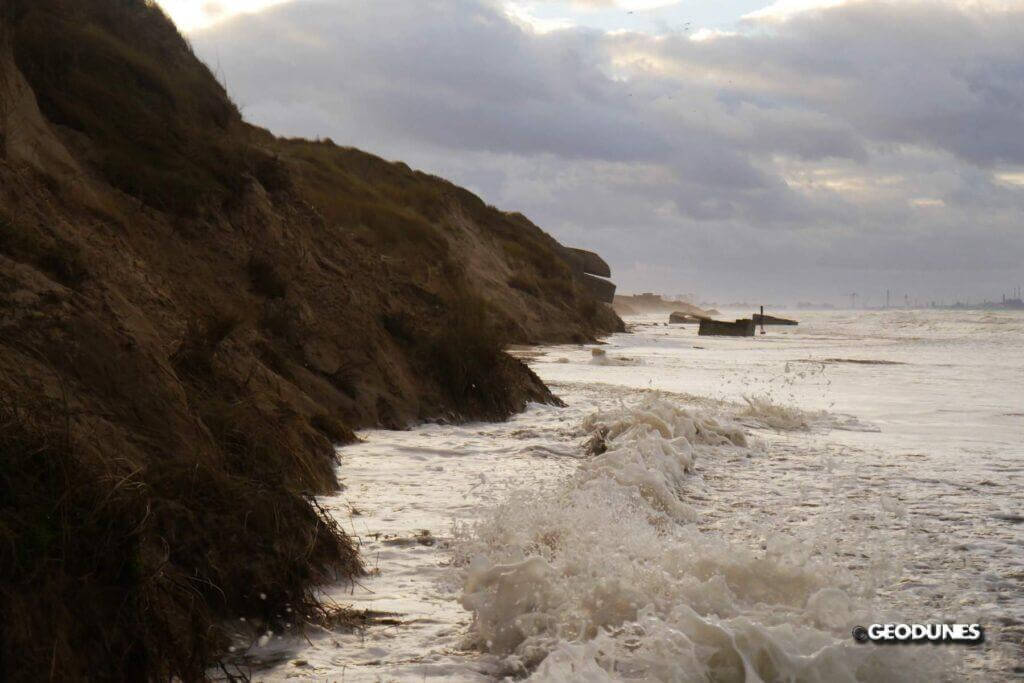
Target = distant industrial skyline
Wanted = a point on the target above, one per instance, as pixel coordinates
(853, 300)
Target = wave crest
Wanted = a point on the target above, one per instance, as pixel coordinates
(608, 576)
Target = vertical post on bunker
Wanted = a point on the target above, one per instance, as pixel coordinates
(762, 320)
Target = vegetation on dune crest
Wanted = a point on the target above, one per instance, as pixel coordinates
(167, 142)
(192, 313)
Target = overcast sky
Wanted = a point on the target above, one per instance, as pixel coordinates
(732, 149)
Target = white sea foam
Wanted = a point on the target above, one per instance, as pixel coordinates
(605, 548)
(606, 577)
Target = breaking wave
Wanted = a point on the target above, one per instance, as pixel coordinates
(608, 575)
(766, 413)
(763, 412)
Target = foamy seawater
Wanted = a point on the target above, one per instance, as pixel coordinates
(702, 509)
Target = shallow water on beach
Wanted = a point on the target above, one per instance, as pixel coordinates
(755, 499)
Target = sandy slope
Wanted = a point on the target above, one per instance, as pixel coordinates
(191, 312)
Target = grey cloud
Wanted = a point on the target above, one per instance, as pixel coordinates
(844, 144)
(456, 74)
(919, 72)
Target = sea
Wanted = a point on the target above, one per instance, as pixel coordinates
(700, 509)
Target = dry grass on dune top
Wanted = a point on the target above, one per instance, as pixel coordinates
(121, 74)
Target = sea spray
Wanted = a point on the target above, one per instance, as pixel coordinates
(607, 575)
(763, 411)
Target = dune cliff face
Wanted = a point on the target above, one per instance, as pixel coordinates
(191, 312)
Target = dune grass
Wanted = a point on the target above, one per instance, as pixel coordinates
(142, 562)
(160, 133)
